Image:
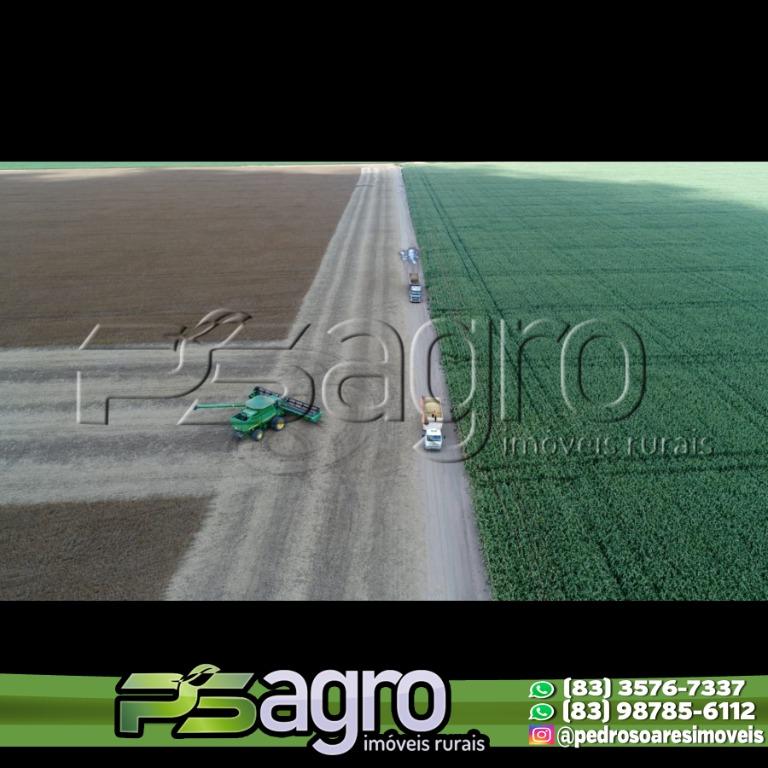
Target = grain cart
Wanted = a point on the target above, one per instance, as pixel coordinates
(265, 409)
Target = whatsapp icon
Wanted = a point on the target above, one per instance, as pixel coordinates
(542, 711)
(541, 689)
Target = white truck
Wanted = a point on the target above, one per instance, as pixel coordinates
(414, 288)
(431, 422)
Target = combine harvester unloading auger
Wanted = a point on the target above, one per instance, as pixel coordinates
(264, 410)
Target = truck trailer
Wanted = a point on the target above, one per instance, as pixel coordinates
(431, 412)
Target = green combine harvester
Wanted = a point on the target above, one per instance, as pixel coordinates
(264, 410)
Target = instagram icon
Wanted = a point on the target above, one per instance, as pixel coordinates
(541, 734)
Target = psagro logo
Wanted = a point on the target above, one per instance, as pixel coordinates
(207, 702)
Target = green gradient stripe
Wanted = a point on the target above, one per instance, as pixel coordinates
(42, 710)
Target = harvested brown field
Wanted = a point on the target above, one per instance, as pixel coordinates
(145, 252)
(94, 550)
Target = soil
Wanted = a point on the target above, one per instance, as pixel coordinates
(147, 252)
(94, 550)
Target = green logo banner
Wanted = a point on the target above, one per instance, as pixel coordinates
(386, 711)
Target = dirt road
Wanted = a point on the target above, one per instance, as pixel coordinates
(455, 568)
(364, 515)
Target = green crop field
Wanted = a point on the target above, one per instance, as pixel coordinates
(668, 500)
